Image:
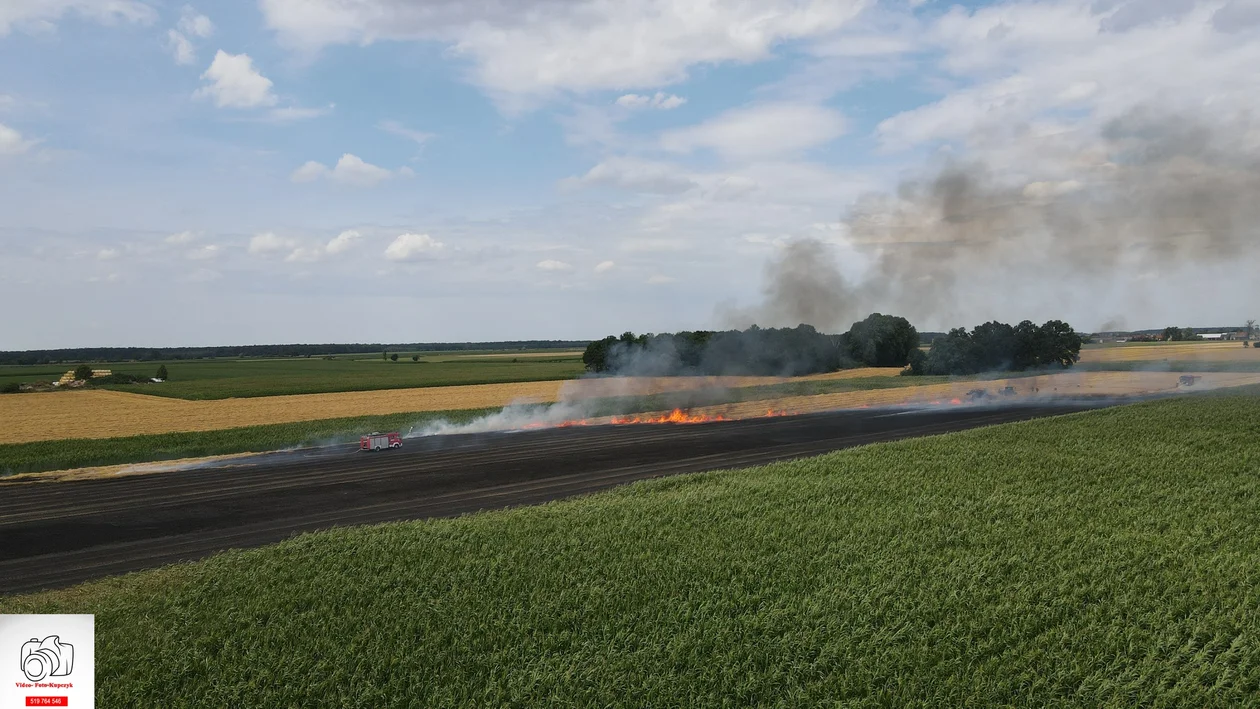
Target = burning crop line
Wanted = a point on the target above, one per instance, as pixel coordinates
(681, 416)
(675, 416)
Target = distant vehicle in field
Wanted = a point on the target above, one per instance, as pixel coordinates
(380, 441)
(1187, 380)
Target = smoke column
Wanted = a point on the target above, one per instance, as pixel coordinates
(1162, 209)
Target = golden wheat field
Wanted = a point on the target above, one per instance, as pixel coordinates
(1174, 352)
(106, 414)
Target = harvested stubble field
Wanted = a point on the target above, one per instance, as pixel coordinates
(1171, 351)
(108, 414)
(1067, 384)
(1099, 559)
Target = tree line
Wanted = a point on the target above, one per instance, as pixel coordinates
(999, 347)
(145, 354)
(877, 341)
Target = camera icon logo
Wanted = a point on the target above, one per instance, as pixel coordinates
(47, 658)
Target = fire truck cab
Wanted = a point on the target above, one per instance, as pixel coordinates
(379, 441)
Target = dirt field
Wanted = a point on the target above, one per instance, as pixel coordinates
(1176, 352)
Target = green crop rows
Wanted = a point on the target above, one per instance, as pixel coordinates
(1107, 558)
(226, 378)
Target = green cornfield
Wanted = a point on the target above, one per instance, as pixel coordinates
(1107, 558)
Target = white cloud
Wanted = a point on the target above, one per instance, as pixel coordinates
(11, 142)
(605, 266)
(553, 265)
(343, 241)
(305, 254)
(349, 170)
(761, 131)
(635, 175)
(537, 48)
(183, 237)
(205, 253)
(286, 114)
(659, 280)
(107, 254)
(309, 171)
(398, 129)
(191, 24)
(41, 14)
(195, 24)
(1020, 64)
(235, 83)
(659, 100)
(180, 47)
(410, 247)
(269, 243)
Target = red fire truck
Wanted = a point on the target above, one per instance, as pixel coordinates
(380, 441)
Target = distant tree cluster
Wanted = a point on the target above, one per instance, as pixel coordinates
(1178, 334)
(878, 341)
(755, 351)
(882, 341)
(996, 346)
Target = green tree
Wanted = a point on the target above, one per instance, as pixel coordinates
(882, 341)
(954, 353)
(416, 358)
(393, 357)
(1060, 344)
(994, 344)
(83, 371)
(161, 373)
(595, 358)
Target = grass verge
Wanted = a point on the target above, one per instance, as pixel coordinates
(1105, 558)
(39, 456)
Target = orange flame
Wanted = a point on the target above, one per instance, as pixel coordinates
(675, 416)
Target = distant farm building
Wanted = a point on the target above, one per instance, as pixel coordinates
(69, 376)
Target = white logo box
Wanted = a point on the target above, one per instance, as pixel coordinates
(48, 661)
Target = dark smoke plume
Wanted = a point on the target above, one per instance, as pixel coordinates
(1157, 194)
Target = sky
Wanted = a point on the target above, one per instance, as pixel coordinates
(239, 172)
